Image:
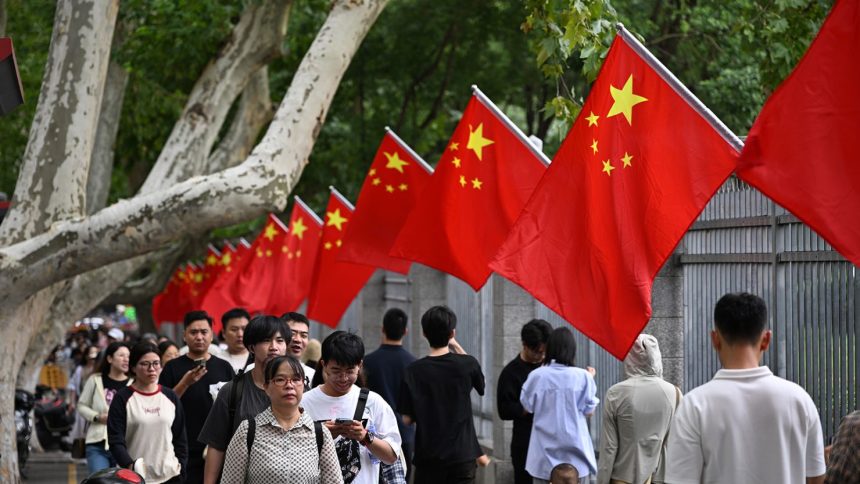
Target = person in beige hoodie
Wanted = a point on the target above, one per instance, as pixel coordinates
(94, 402)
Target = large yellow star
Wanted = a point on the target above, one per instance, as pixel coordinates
(477, 142)
(225, 259)
(626, 159)
(607, 168)
(298, 228)
(335, 219)
(211, 260)
(394, 162)
(592, 119)
(270, 232)
(624, 100)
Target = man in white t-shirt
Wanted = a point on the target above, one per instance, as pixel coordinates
(335, 401)
(300, 327)
(233, 324)
(745, 425)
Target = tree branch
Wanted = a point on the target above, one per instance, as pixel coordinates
(101, 166)
(2, 18)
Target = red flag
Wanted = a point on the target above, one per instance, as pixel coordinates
(389, 192)
(480, 185)
(297, 272)
(211, 269)
(802, 149)
(166, 305)
(241, 249)
(335, 284)
(636, 169)
(220, 296)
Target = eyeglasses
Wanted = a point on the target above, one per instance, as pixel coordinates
(281, 381)
(149, 364)
(343, 374)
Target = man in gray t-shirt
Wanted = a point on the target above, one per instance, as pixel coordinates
(266, 337)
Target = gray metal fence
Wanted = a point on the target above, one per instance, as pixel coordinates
(745, 242)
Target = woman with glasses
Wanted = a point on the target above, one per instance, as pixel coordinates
(146, 424)
(95, 400)
(282, 444)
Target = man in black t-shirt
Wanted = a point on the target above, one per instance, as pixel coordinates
(196, 384)
(435, 394)
(534, 335)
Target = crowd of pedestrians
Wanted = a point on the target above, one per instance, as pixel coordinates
(260, 408)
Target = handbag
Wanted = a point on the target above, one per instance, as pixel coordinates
(79, 448)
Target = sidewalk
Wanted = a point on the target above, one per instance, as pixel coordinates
(54, 467)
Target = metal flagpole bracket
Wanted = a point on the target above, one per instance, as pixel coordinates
(409, 150)
(679, 87)
(510, 124)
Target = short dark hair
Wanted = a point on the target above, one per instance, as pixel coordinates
(192, 316)
(104, 367)
(164, 345)
(438, 323)
(275, 363)
(139, 350)
(394, 324)
(234, 313)
(740, 317)
(535, 333)
(564, 474)
(264, 327)
(561, 347)
(343, 348)
(296, 317)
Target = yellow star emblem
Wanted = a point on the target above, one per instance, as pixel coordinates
(372, 172)
(607, 168)
(298, 228)
(270, 232)
(624, 99)
(389, 188)
(284, 249)
(198, 278)
(376, 181)
(456, 162)
(268, 253)
(462, 181)
(454, 146)
(289, 255)
(338, 242)
(298, 253)
(626, 159)
(327, 246)
(260, 253)
(211, 260)
(592, 119)
(476, 183)
(335, 219)
(394, 162)
(226, 259)
(594, 146)
(403, 187)
(477, 142)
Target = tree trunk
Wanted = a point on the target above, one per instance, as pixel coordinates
(101, 166)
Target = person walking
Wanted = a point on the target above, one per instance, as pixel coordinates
(637, 413)
(234, 323)
(560, 396)
(94, 402)
(146, 423)
(282, 444)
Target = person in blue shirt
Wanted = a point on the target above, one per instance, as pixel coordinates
(561, 397)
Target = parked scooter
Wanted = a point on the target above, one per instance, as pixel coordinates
(53, 419)
(24, 402)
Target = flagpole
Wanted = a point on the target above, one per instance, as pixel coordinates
(341, 197)
(213, 249)
(679, 87)
(243, 242)
(510, 124)
(409, 150)
(308, 210)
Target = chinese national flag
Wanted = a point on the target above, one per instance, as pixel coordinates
(240, 250)
(220, 296)
(636, 169)
(480, 185)
(389, 192)
(211, 270)
(166, 305)
(303, 245)
(335, 284)
(803, 150)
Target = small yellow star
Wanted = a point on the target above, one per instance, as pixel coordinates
(403, 187)
(298, 228)
(335, 219)
(271, 232)
(259, 252)
(198, 278)
(607, 168)
(592, 119)
(626, 159)
(268, 253)
(477, 142)
(389, 188)
(338, 242)
(284, 249)
(289, 255)
(454, 146)
(298, 253)
(225, 259)
(372, 172)
(327, 246)
(394, 162)
(456, 162)
(594, 146)
(476, 183)
(624, 99)
(462, 181)
(376, 181)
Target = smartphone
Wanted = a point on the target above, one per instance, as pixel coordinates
(200, 363)
(343, 421)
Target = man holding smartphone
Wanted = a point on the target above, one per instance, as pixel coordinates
(196, 378)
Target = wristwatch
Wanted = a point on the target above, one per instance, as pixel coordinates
(368, 439)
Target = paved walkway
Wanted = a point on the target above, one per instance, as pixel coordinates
(54, 467)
